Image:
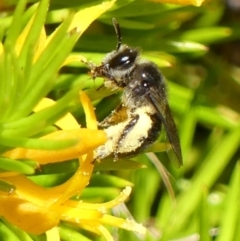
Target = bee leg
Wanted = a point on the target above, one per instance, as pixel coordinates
(121, 139)
(116, 116)
(129, 126)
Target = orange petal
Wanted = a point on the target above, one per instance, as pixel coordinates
(77, 182)
(27, 216)
(88, 141)
(28, 190)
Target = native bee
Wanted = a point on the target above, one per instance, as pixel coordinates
(144, 107)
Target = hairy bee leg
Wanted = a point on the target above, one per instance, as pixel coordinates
(116, 116)
(133, 121)
(117, 135)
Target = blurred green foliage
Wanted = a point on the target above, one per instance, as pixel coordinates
(196, 49)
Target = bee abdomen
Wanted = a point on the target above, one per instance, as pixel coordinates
(130, 137)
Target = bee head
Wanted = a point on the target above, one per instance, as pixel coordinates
(118, 65)
(124, 56)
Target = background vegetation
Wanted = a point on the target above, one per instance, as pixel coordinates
(197, 49)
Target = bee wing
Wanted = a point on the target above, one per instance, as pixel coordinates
(158, 99)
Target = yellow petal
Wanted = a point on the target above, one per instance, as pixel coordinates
(53, 234)
(41, 44)
(105, 233)
(127, 224)
(1, 48)
(27, 216)
(83, 18)
(74, 58)
(77, 216)
(89, 111)
(181, 2)
(76, 183)
(103, 207)
(67, 122)
(86, 16)
(86, 143)
(28, 190)
(22, 37)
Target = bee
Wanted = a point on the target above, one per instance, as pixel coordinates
(136, 123)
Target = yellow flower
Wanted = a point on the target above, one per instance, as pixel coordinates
(36, 209)
(181, 2)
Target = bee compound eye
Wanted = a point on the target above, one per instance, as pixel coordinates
(123, 59)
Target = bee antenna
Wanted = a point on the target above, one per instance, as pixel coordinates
(118, 33)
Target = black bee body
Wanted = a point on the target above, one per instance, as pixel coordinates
(137, 122)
